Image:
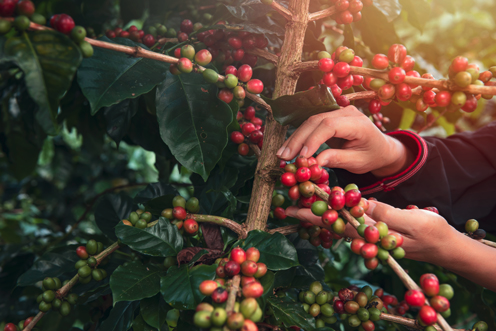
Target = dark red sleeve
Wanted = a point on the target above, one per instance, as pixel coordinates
(456, 174)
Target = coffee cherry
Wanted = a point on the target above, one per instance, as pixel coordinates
(479, 234)
(371, 234)
(345, 83)
(388, 242)
(430, 286)
(7, 7)
(420, 105)
(326, 65)
(202, 319)
(480, 326)
(255, 86)
(439, 303)
(471, 225)
(185, 65)
(443, 98)
(280, 213)
(356, 245)
(190, 226)
(319, 207)
(63, 23)
(368, 251)
(341, 69)
(415, 298)
(337, 200)
(21, 23)
(398, 253)
(207, 287)
(238, 255)
(470, 105)
(396, 75)
(10, 327)
(397, 53)
(256, 136)
(210, 76)
(329, 217)
(253, 254)
(245, 73)
(261, 271)
(220, 272)
(288, 179)
(403, 92)
(219, 295)
(463, 79)
(428, 315)
(232, 268)
(86, 49)
(277, 201)
(352, 198)
(253, 290)
(459, 63)
(249, 268)
(81, 252)
(330, 79)
(380, 61)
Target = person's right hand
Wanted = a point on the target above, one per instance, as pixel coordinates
(365, 147)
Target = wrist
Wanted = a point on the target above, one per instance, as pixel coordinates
(398, 158)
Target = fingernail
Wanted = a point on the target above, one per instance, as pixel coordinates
(304, 151)
(279, 152)
(286, 153)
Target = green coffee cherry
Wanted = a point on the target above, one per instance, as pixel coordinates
(257, 315)
(84, 271)
(56, 304)
(91, 247)
(49, 284)
(92, 261)
(81, 263)
(321, 298)
(480, 326)
(134, 217)
(48, 296)
(248, 307)
(65, 308)
(86, 49)
(210, 76)
(5, 26)
(85, 280)
(78, 34)
(44, 307)
(147, 216)
(309, 297)
(21, 23)
(354, 321)
(327, 310)
(167, 213)
(141, 224)
(99, 247)
(72, 298)
(219, 317)
(193, 205)
(363, 314)
(188, 52)
(179, 201)
(374, 314)
(316, 287)
(446, 291)
(202, 319)
(38, 19)
(97, 275)
(319, 323)
(471, 226)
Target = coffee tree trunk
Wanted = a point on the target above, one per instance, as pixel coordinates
(274, 136)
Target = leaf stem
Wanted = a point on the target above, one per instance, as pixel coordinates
(230, 224)
(285, 230)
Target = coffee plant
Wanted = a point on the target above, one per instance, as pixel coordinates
(140, 184)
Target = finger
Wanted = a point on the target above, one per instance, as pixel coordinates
(331, 127)
(304, 214)
(294, 145)
(342, 159)
(395, 218)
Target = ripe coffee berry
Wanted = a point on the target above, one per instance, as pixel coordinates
(253, 254)
(249, 113)
(219, 295)
(303, 174)
(440, 303)
(207, 287)
(341, 69)
(248, 128)
(255, 86)
(237, 137)
(190, 226)
(81, 252)
(280, 213)
(352, 198)
(245, 73)
(288, 179)
(343, 101)
(64, 23)
(262, 270)
(459, 63)
(253, 290)
(149, 40)
(443, 98)
(368, 251)
(326, 65)
(415, 298)
(371, 234)
(232, 268)
(243, 149)
(430, 286)
(249, 268)
(179, 213)
(397, 53)
(408, 63)
(428, 315)
(396, 75)
(238, 255)
(380, 61)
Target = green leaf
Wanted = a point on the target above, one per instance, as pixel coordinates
(120, 317)
(139, 324)
(154, 310)
(156, 197)
(49, 61)
(162, 239)
(407, 119)
(376, 30)
(291, 313)
(418, 12)
(276, 251)
(295, 109)
(180, 287)
(310, 269)
(51, 264)
(118, 118)
(111, 210)
(109, 77)
(193, 121)
(389, 8)
(134, 281)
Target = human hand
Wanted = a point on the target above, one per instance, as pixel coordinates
(362, 147)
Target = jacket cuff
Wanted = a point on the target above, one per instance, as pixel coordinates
(418, 147)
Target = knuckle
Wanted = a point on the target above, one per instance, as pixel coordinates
(315, 119)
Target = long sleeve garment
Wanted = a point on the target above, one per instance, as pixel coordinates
(457, 175)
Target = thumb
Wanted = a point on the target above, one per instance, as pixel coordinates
(395, 218)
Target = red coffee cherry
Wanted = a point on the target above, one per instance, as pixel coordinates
(249, 268)
(343, 101)
(238, 255)
(232, 268)
(374, 106)
(430, 286)
(253, 290)
(8, 7)
(207, 287)
(337, 200)
(408, 63)
(253, 254)
(81, 252)
(303, 174)
(341, 69)
(262, 270)
(459, 63)
(307, 202)
(369, 251)
(356, 245)
(396, 75)
(372, 263)
(397, 53)
(352, 198)
(249, 113)
(248, 128)
(255, 86)
(237, 137)
(243, 149)
(179, 213)
(443, 98)
(110, 34)
(247, 280)
(280, 213)
(186, 26)
(25, 7)
(380, 61)
(124, 34)
(288, 179)
(326, 65)
(427, 315)
(415, 298)
(386, 91)
(203, 57)
(10, 327)
(470, 105)
(220, 295)
(339, 307)
(330, 79)
(220, 272)
(149, 40)
(329, 217)
(403, 92)
(357, 61)
(64, 24)
(371, 234)
(27, 321)
(190, 226)
(294, 192)
(245, 73)
(413, 73)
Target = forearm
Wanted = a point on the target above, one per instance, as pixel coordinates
(470, 259)
(399, 158)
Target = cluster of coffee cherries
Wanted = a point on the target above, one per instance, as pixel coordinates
(87, 266)
(138, 35)
(25, 14)
(378, 243)
(300, 177)
(178, 214)
(245, 313)
(400, 65)
(252, 130)
(439, 296)
(337, 72)
(391, 303)
(138, 219)
(359, 306)
(49, 299)
(318, 303)
(473, 231)
(20, 326)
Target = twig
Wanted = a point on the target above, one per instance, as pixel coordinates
(238, 228)
(383, 74)
(336, 246)
(163, 41)
(233, 291)
(259, 100)
(431, 122)
(255, 149)
(62, 292)
(322, 14)
(487, 242)
(282, 10)
(265, 54)
(411, 323)
(285, 230)
(405, 278)
(143, 53)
